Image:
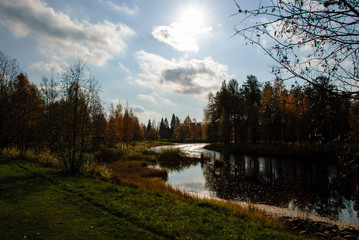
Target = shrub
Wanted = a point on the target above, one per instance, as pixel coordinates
(108, 155)
(46, 160)
(171, 154)
(11, 153)
(97, 170)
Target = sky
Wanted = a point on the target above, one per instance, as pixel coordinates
(159, 57)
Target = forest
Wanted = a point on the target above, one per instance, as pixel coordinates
(309, 113)
(66, 116)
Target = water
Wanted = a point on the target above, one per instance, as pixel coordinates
(317, 189)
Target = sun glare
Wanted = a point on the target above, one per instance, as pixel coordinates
(192, 19)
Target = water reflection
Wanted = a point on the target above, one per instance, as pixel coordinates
(312, 188)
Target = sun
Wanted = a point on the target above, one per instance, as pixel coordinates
(192, 19)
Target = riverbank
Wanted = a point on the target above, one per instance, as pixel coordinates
(299, 222)
(46, 203)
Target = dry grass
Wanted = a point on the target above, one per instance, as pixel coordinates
(136, 173)
(247, 210)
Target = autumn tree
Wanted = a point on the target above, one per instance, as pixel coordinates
(267, 112)
(99, 127)
(151, 130)
(9, 70)
(307, 39)
(228, 100)
(26, 114)
(127, 126)
(224, 128)
(187, 129)
(296, 114)
(113, 132)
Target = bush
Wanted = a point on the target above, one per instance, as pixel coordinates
(108, 155)
(46, 160)
(11, 153)
(97, 170)
(171, 155)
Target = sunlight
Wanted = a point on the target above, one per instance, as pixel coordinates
(192, 19)
(186, 30)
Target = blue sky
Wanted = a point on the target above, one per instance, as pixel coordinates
(161, 57)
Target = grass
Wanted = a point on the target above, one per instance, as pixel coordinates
(45, 203)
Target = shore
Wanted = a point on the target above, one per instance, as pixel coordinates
(300, 222)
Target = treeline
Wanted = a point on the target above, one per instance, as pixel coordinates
(65, 116)
(187, 131)
(309, 114)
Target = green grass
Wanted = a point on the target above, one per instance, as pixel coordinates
(45, 203)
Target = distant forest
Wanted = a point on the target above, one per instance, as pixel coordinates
(66, 116)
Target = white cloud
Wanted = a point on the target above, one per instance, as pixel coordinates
(58, 35)
(56, 67)
(124, 68)
(123, 8)
(155, 98)
(144, 114)
(115, 102)
(147, 98)
(186, 77)
(163, 100)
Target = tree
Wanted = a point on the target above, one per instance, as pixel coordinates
(9, 70)
(128, 126)
(137, 129)
(228, 100)
(114, 126)
(175, 123)
(51, 125)
(267, 112)
(151, 131)
(296, 114)
(325, 110)
(354, 120)
(252, 96)
(308, 39)
(164, 130)
(186, 129)
(26, 114)
(99, 129)
(224, 127)
(79, 99)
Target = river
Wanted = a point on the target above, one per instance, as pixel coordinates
(310, 188)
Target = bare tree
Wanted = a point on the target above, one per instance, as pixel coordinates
(307, 38)
(78, 105)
